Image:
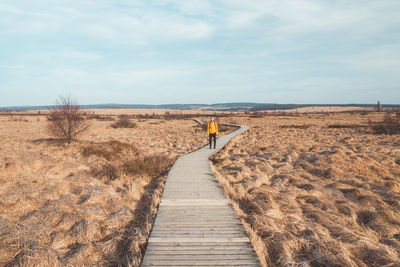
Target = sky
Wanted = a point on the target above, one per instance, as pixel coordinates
(199, 51)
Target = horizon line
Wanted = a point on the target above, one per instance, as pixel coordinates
(141, 106)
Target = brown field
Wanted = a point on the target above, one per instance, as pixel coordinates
(311, 189)
(316, 189)
(92, 203)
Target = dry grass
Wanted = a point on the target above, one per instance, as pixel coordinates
(100, 117)
(79, 206)
(389, 125)
(316, 195)
(110, 150)
(123, 122)
(150, 165)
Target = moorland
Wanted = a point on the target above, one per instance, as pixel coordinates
(312, 189)
(317, 189)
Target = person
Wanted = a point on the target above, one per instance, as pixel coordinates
(212, 131)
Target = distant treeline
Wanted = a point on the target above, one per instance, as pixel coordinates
(294, 106)
(245, 106)
(211, 107)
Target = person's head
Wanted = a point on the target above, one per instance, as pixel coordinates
(212, 118)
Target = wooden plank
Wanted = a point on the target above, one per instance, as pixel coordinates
(201, 250)
(199, 234)
(196, 257)
(205, 265)
(194, 218)
(192, 212)
(200, 221)
(200, 245)
(196, 224)
(202, 254)
(213, 207)
(184, 206)
(190, 240)
(189, 235)
(209, 218)
(197, 230)
(205, 262)
(165, 234)
(197, 213)
(205, 228)
(188, 214)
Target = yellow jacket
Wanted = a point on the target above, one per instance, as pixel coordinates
(212, 127)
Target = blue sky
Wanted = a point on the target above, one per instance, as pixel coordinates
(199, 51)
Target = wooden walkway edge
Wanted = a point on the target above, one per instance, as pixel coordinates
(195, 223)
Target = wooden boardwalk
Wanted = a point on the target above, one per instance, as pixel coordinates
(195, 224)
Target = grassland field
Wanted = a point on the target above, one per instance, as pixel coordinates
(311, 189)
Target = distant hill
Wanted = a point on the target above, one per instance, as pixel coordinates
(295, 106)
(214, 107)
(245, 106)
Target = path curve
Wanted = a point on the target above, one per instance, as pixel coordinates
(196, 224)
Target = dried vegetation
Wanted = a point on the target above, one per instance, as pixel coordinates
(124, 122)
(389, 125)
(311, 194)
(88, 204)
(66, 120)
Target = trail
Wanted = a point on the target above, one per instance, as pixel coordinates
(195, 224)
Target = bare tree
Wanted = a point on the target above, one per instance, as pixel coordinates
(66, 119)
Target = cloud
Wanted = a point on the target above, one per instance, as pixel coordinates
(10, 9)
(194, 8)
(294, 19)
(80, 55)
(148, 27)
(141, 24)
(383, 60)
(202, 49)
(14, 67)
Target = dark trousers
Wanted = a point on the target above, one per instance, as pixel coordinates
(213, 136)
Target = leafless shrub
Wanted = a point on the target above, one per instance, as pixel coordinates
(257, 114)
(294, 126)
(66, 120)
(101, 117)
(107, 171)
(124, 122)
(150, 165)
(19, 118)
(346, 126)
(389, 125)
(109, 150)
(223, 128)
(366, 217)
(201, 127)
(99, 151)
(176, 116)
(118, 146)
(376, 257)
(180, 116)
